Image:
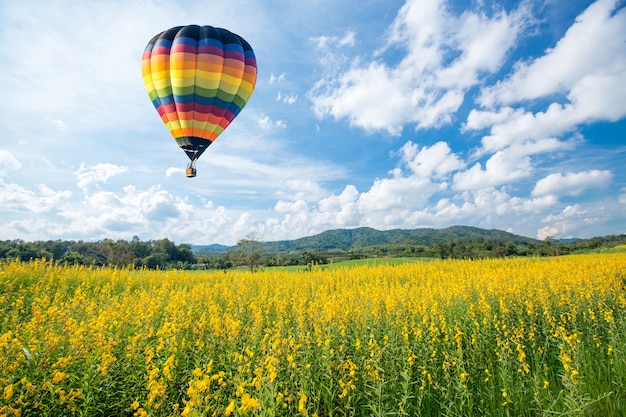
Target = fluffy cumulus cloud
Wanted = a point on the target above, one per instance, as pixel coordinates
(445, 55)
(415, 194)
(19, 199)
(591, 87)
(572, 183)
(437, 160)
(568, 220)
(133, 209)
(593, 48)
(16, 198)
(88, 175)
(509, 164)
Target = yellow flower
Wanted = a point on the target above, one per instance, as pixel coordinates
(58, 376)
(506, 401)
(229, 410)
(187, 410)
(8, 392)
(249, 402)
(302, 404)
(140, 413)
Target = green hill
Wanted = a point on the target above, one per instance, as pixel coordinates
(350, 239)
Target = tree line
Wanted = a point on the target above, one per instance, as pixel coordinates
(252, 253)
(152, 254)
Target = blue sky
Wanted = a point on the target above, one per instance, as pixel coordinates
(388, 114)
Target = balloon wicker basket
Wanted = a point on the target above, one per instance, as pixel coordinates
(190, 172)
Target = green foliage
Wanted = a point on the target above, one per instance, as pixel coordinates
(153, 254)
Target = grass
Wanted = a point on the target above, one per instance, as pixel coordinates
(351, 263)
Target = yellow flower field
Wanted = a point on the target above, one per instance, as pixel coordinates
(526, 336)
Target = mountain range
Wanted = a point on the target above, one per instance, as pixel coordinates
(349, 239)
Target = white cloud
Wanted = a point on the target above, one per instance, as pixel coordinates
(274, 79)
(266, 123)
(324, 42)
(550, 231)
(387, 194)
(444, 56)
(436, 160)
(286, 98)
(583, 76)
(302, 189)
(8, 161)
(572, 183)
(483, 43)
(566, 222)
(81, 80)
(519, 126)
(358, 96)
(348, 39)
(576, 56)
(60, 124)
(131, 212)
(173, 171)
(480, 119)
(568, 212)
(536, 205)
(509, 164)
(503, 167)
(341, 209)
(16, 198)
(88, 175)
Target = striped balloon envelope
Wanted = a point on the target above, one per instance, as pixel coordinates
(198, 78)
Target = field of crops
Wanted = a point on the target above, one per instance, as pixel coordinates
(518, 337)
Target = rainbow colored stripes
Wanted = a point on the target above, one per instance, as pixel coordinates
(198, 78)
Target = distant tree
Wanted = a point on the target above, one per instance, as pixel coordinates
(442, 250)
(156, 260)
(206, 261)
(72, 258)
(120, 253)
(93, 253)
(500, 252)
(272, 260)
(57, 248)
(311, 258)
(165, 246)
(251, 250)
(140, 249)
(184, 255)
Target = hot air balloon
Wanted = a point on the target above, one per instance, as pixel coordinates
(198, 78)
